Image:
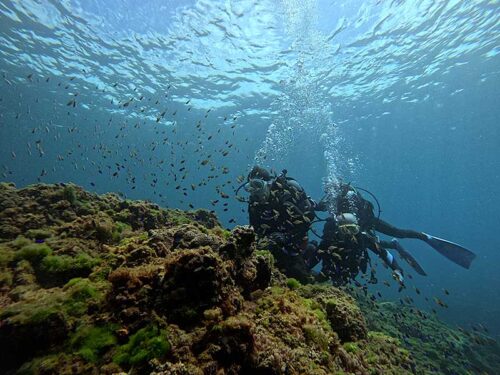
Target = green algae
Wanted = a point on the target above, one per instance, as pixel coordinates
(147, 343)
(6, 278)
(68, 303)
(120, 230)
(279, 326)
(81, 293)
(316, 336)
(266, 254)
(59, 264)
(435, 347)
(32, 312)
(91, 342)
(39, 234)
(7, 255)
(69, 193)
(47, 364)
(133, 239)
(351, 347)
(292, 283)
(178, 217)
(33, 252)
(20, 241)
(317, 309)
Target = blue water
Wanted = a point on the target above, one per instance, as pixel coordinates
(400, 97)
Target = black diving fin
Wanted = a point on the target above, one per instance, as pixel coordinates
(407, 257)
(454, 252)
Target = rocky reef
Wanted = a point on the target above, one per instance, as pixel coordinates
(95, 284)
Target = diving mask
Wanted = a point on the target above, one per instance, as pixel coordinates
(348, 224)
(257, 189)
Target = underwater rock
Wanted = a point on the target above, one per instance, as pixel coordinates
(207, 218)
(188, 236)
(97, 284)
(22, 339)
(343, 314)
(241, 243)
(195, 280)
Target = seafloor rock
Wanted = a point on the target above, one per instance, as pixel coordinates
(342, 312)
(196, 280)
(436, 347)
(97, 284)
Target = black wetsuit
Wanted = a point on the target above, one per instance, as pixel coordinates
(344, 256)
(287, 211)
(386, 228)
(284, 220)
(349, 200)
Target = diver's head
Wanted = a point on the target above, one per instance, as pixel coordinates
(258, 172)
(347, 224)
(258, 190)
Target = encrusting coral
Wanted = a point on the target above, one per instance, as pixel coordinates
(97, 284)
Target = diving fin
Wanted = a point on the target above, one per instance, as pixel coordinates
(407, 257)
(454, 252)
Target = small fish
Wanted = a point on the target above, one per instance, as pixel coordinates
(440, 303)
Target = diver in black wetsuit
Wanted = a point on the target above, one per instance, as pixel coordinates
(281, 213)
(350, 200)
(343, 250)
(355, 218)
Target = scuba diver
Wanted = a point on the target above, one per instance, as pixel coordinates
(281, 214)
(344, 250)
(349, 200)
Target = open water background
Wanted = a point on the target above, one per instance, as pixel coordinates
(400, 97)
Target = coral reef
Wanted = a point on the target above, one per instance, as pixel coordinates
(96, 284)
(436, 347)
